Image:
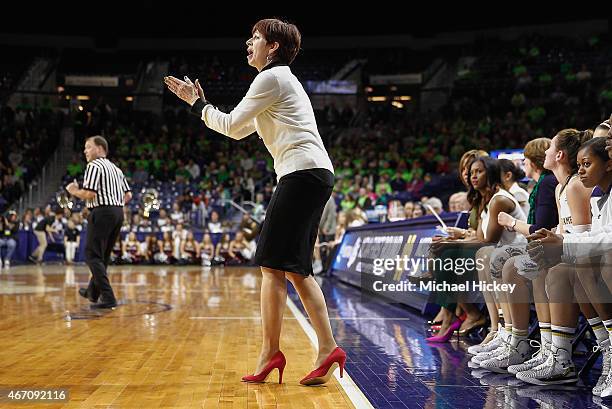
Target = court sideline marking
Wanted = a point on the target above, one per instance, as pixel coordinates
(356, 396)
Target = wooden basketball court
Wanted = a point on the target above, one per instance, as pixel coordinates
(181, 338)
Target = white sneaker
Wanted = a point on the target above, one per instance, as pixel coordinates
(493, 348)
(485, 356)
(605, 379)
(538, 358)
(552, 372)
(498, 337)
(510, 356)
(476, 349)
(7, 264)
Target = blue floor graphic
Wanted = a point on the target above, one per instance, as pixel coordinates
(389, 359)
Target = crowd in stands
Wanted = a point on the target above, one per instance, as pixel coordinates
(28, 135)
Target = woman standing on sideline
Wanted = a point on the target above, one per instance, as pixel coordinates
(277, 107)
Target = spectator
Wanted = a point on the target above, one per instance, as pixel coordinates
(458, 202)
(72, 239)
(408, 209)
(259, 209)
(164, 223)
(356, 217)
(26, 221)
(75, 167)
(365, 199)
(327, 227)
(418, 211)
(178, 236)
(383, 195)
(9, 227)
(348, 203)
(167, 247)
(214, 225)
(150, 248)
(132, 249)
(144, 225)
(190, 249)
(177, 215)
(584, 74)
(59, 222)
(193, 169)
(435, 204)
(41, 231)
(207, 250)
(222, 251)
(240, 251)
(140, 176)
(395, 211)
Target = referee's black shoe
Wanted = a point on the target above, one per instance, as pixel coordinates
(104, 304)
(83, 293)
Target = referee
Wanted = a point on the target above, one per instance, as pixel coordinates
(105, 191)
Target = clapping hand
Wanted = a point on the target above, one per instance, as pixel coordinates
(185, 90)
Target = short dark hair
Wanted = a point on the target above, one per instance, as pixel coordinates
(597, 146)
(507, 165)
(99, 141)
(285, 34)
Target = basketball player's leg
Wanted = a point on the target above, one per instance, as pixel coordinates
(273, 302)
(314, 303)
(484, 274)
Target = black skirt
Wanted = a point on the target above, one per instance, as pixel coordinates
(290, 229)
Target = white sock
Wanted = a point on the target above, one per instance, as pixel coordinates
(545, 333)
(562, 341)
(508, 331)
(518, 335)
(601, 333)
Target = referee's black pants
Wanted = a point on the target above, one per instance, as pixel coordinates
(104, 225)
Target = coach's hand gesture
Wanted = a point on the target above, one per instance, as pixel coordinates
(185, 90)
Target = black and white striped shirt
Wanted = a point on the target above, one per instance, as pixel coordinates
(108, 181)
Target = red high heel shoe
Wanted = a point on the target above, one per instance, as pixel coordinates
(325, 371)
(277, 361)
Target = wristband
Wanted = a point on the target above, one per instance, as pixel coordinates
(197, 107)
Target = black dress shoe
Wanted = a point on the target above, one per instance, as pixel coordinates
(83, 293)
(104, 304)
